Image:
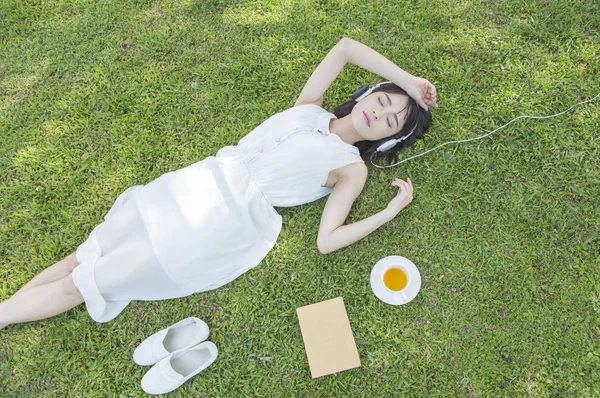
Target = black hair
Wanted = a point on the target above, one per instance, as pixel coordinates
(417, 118)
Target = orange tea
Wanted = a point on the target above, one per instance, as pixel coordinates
(395, 279)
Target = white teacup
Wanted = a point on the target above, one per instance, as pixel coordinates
(395, 280)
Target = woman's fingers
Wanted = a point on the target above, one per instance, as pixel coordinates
(432, 91)
(431, 95)
(403, 185)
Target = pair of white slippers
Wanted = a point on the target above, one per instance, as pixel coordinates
(178, 353)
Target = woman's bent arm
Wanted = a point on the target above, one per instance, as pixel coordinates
(349, 51)
(322, 77)
(348, 234)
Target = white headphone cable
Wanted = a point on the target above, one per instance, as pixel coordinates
(485, 135)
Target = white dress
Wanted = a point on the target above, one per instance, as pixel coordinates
(202, 226)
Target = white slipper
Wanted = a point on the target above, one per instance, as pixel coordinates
(174, 370)
(180, 336)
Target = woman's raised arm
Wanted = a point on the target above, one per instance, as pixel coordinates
(351, 51)
(327, 71)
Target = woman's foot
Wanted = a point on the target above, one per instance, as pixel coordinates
(3, 325)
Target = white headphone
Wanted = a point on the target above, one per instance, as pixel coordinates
(364, 90)
(360, 94)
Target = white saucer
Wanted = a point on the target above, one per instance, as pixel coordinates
(390, 296)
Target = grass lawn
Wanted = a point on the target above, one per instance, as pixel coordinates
(98, 96)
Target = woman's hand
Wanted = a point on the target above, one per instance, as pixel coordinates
(402, 199)
(422, 91)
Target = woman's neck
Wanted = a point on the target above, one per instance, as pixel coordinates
(344, 129)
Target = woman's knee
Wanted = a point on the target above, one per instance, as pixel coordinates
(70, 262)
(69, 287)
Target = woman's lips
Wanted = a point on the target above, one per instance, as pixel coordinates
(367, 120)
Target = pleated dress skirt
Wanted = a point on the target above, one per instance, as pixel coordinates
(188, 231)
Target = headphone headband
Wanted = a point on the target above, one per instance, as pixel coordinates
(364, 90)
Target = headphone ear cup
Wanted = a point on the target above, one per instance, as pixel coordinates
(360, 91)
(386, 146)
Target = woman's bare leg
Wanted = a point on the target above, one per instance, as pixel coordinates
(55, 272)
(40, 302)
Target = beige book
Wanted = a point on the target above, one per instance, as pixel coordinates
(328, 338)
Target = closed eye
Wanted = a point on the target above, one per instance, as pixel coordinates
(381, 103)
(395, 116)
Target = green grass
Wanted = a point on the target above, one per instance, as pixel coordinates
(505, 230)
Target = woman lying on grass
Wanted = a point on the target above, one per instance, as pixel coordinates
(202, 226)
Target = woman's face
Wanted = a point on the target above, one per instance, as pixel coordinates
(379, 115)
